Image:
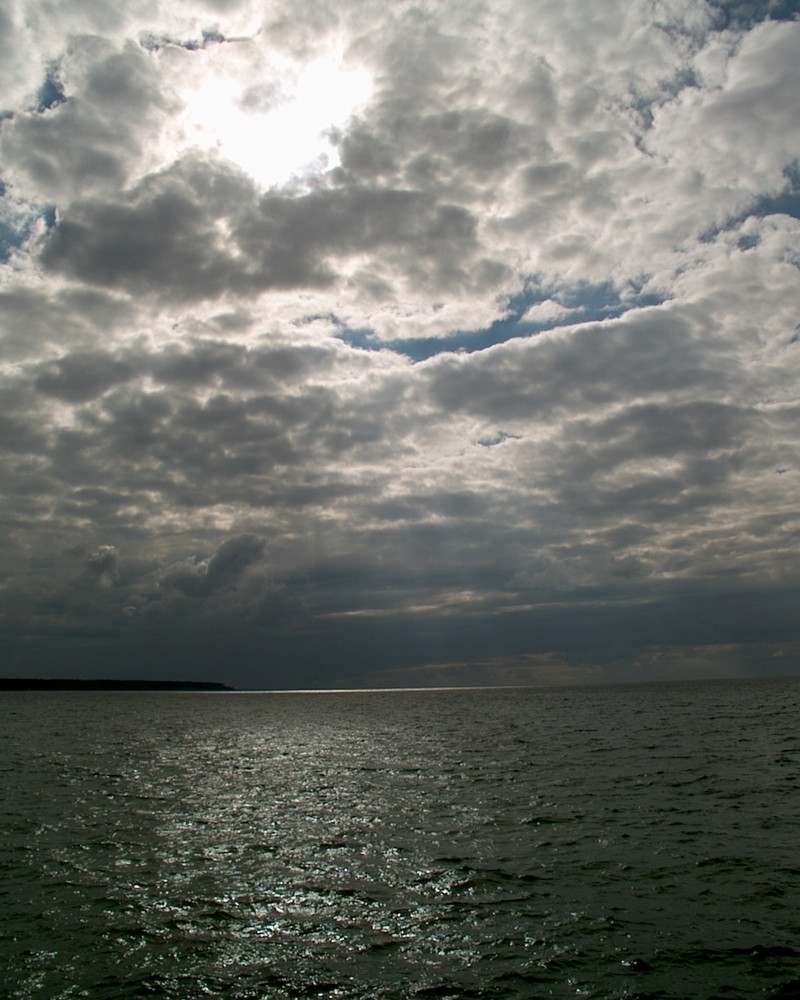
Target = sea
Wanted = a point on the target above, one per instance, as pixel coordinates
(634, 841)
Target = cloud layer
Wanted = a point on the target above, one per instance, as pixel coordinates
(501, 387)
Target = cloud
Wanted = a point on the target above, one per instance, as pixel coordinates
(504, 388)
(548, 312)
(736, 134)
(93, 139)
(200, 230)
(78, 377)
(222, 571)
(102, 567)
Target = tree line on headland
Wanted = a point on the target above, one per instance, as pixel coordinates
(124, 684)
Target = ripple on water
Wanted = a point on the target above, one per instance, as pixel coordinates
(604, 843)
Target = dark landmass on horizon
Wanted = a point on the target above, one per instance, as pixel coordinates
(74, 684)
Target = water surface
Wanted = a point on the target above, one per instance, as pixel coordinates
(633, 841)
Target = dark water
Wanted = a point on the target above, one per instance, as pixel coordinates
(610, 842)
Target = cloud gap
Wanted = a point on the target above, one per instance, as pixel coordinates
(581, 303)
(785, 202)
(742, 15)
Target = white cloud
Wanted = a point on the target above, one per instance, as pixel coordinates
(740, 135)
(548, 311)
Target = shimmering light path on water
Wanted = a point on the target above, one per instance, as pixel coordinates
(608, 842)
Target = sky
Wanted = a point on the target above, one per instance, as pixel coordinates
(411, 344)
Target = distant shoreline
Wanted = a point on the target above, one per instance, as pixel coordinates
(74, 684)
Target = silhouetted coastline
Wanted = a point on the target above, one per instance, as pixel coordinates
(74, 684)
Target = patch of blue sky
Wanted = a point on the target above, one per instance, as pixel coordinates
(153, 42)
(746, 14)
(7, 241)
(582, 303)
(50, 94)
(16, 224)
(786, 202)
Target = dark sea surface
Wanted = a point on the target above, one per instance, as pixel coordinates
(639, 841)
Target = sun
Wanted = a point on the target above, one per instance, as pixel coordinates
(276, 128)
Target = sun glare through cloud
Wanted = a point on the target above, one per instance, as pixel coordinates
(280, 130)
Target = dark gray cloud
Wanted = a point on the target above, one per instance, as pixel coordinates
(102, 567)
(201, 230)
(38, 322)
(78, 377)
(92, 139)
(221, 572)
